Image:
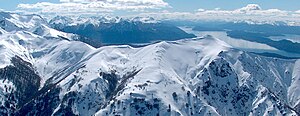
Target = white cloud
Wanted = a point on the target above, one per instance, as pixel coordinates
(200, 10)
(250, 7)
(92, 6)
(251, 12)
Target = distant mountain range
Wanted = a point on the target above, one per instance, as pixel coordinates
(115, 30)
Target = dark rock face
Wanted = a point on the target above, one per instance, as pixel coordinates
(297, 108)
(25, 80)
(221, 88)
(112, 81)
(43, 105)
(143, 107)
(66, 106)
(223, 71)
(138, 106)
(27, 99)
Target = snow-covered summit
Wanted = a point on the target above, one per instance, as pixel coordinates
(14, 21)
(144, 19)
(22, 35)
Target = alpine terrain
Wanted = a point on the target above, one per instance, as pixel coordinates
(53, 69)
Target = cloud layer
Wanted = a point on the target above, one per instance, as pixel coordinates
(91, 6)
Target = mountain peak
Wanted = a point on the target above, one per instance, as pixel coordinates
(14, 22)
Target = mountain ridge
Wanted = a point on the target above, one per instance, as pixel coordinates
(196, 76)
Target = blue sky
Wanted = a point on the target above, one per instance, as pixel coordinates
(12, 4)
(190, 5)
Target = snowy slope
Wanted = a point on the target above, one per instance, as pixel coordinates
(195, 72)
(294, 90)
(24, 68)
(31, 48)
(45, 72)
(14, 22)
(176, 78)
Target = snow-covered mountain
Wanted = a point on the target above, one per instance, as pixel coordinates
(14, 22)
(116, 30)
(43, 76)
(70, 21)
